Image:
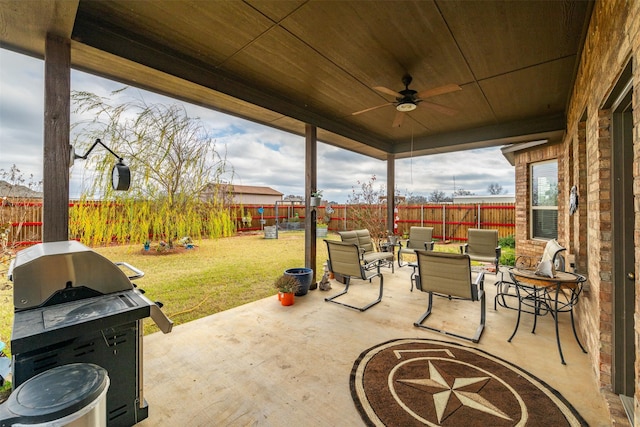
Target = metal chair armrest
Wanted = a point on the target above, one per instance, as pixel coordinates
(480, 280)
(478, 286)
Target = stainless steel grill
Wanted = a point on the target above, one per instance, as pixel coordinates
(73, 305)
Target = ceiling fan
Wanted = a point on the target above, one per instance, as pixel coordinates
(408, 99)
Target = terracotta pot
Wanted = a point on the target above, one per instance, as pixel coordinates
(285, 298)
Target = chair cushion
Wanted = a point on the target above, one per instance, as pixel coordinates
(445, 273)
(377, 256)
(484, 258)
(482, 244)
(344, 258)
(551, 249)
(362, 238)
(418, 236)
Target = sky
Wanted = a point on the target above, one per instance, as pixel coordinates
(259, 155)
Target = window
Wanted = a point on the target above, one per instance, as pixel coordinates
(544, 200)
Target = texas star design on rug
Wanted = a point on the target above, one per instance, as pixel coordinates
(408, 382)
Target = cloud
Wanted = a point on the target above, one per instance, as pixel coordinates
(258, 154)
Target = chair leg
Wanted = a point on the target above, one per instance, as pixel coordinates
(483, 316)
(575, 334)
(422, 318)
(513, 334)
(479, 330)
(500, 292)
(346, 289)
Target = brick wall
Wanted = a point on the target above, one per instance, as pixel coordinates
(523, 159)
(584, 159)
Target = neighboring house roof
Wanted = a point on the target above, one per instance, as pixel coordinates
(489, 198)
(10, 190)
(253, 189)
(247, 189)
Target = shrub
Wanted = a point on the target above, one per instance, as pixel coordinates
(508, 241)
(508, 259)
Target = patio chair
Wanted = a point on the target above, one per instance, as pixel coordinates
(370, 258)
(419, 238)
(482, 246)
(344, 260)
(449, 275)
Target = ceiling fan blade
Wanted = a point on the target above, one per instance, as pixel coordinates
(371, 108)
(388, 91)
(439, 108)
(438, 91)
(397, 121)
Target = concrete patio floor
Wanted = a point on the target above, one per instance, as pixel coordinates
(269, 365)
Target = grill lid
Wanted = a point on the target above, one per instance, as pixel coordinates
(55, 272)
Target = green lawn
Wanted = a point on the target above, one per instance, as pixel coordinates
(215, 276)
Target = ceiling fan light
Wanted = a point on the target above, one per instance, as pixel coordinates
(406, 106)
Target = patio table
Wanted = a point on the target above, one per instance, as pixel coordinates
(539, 295)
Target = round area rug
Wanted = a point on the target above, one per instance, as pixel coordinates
(409, 382)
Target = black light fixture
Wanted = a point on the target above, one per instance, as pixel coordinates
(120, 174)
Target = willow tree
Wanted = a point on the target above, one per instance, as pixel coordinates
(172, 160)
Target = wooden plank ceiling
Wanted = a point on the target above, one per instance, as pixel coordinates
(287, 63)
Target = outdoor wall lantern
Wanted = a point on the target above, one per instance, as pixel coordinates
(120, 174)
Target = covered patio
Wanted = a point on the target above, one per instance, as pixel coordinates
(265, 364)
(557, 81)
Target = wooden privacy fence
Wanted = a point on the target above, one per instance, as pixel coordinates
(449, 221)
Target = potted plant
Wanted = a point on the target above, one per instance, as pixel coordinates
(246, 220)
(287, 286)
(304, 276)
(321, 228)
(316, 198)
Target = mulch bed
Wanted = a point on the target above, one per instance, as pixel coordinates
(176, 250)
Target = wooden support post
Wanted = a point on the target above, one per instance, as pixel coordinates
(391, 197)
(57, 117)
(311, 183)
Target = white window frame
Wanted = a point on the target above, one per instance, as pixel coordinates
(533, 208)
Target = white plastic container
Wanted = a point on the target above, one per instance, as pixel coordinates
(73, 395)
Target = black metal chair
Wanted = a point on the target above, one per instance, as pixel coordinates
(345, 261)
(449, 275)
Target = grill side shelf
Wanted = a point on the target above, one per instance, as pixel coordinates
(45, 326)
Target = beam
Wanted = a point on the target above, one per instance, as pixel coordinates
(122, 43)
(57, 118)
(311, 185)
(485, 136)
